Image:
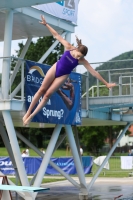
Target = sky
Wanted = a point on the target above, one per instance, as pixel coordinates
(105, 27)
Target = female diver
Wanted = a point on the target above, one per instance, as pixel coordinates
(60, 71)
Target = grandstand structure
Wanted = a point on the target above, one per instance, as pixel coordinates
(20, 21)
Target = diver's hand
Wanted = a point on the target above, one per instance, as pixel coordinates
(43, 20)
(110, 85)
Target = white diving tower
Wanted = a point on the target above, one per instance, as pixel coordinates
(20, 21)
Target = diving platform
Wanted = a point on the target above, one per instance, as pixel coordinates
(13, 4)
(92, 117)
(18, 20)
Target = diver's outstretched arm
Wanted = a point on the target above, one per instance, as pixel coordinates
(66, 44)
(87, 65)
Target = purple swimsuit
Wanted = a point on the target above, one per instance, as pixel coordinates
(66, 64)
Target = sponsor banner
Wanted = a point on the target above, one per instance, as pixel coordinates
(63, 9)
(32, 164)
(64, 106)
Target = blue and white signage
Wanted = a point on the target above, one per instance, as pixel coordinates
(32, 165)
(64, 106)
(63, 9)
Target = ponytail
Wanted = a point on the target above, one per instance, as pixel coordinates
(79, 42)
(82, 48)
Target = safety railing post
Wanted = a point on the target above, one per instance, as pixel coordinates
(109, 76)
(92, 91)
(87, 91)
(130, 85)
(10, 85)
(22, 81)
(6, 53)
(120, 85)
(97, 88)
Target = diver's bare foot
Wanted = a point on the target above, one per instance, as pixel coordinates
(25, 117)
(28, 120)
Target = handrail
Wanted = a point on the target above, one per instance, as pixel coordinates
(95, 86)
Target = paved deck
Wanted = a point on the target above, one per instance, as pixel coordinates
(103, 189)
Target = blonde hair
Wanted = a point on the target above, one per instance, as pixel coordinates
(82, 48)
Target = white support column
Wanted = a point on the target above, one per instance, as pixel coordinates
(87, 92)
(22, 81)
(7, 144)
(77, 161)
(77, 141)
(16, 152)
(7, 53)
(28, 143)
(50, 49)
(9, 149)
(68, 37)
(20, 86)
(47, 155)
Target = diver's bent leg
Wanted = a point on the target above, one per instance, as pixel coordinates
(49, 78)
(33, 103)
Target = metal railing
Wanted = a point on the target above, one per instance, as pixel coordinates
(122, 77)
(94, 91)
(115, 166)
(20, 87)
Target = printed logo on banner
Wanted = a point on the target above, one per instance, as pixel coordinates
(32, 165)
(68, 3)
(61, 3)
(31, 76)
(67, 9)
(64, 106)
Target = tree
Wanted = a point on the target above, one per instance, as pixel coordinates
(38, 48)
(93, 137)
(113, 133)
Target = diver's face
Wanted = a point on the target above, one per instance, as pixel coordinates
(78, 55)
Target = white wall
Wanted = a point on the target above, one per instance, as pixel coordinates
(126, 139)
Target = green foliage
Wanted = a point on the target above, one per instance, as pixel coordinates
(35, 135)
(103, 91)
(93, 137)
(39, 136)
(37, 49)
(45, 180)
(58, 153)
